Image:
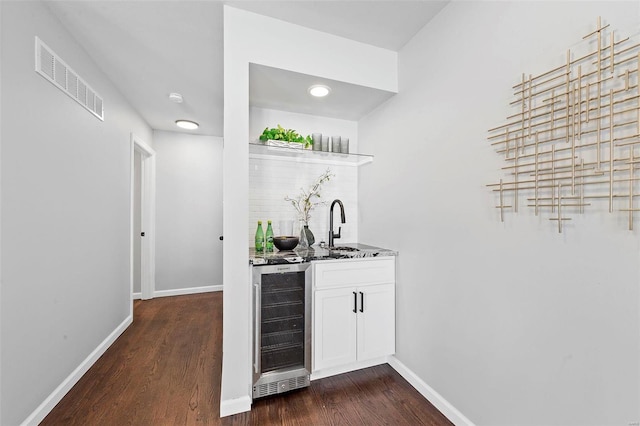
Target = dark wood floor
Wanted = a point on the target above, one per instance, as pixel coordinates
(165, 369)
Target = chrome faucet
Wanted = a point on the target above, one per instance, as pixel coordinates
(332, 236)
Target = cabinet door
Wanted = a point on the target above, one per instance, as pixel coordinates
(376, 322)
(335, 328)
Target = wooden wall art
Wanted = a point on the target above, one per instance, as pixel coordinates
(572, 143)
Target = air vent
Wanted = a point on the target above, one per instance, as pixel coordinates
(265, 389)
(286, 385)
(51, 67)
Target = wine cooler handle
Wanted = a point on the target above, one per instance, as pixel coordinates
(256, 329)
(361, 302)
(355, 302)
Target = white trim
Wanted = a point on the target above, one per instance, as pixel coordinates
(148, 264)
(0, 220)
(47, 405)
(445, 407)
(148, 189)
(328, 372)
(180, 291)
(190, 290)
(132, 192)
(234, 406)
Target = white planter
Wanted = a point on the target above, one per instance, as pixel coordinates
(284, 144)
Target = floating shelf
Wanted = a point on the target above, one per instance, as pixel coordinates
(260, 150)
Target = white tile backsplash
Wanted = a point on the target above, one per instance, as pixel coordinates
(270, 181)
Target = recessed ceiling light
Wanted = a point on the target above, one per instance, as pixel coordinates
(175, 97)
(319, 90)
(187, 124)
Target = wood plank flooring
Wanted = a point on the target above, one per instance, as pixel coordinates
(165, 369)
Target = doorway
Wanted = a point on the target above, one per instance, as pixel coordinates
(143, 180)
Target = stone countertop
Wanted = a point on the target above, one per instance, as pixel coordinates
(298, 255)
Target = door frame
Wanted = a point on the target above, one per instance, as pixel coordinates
(148, 217)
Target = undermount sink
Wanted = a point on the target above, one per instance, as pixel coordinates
(342, 252)
(344, 249)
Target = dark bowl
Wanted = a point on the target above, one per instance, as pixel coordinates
(285, 242)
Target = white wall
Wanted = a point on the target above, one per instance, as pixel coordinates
(270, 181)
(65, 217)
(293, 48)
(512, 323)
(188, 211)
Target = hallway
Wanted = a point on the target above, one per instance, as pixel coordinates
(165, 370)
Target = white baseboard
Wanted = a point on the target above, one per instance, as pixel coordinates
(445, 407)
(180, 291)
(183, 291)
(328, 372)
(47, 405)
(230, 407)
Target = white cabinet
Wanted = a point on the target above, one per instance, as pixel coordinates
(376, 321)
(354, 311)
(334, 335)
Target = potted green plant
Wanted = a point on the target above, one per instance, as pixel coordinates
(285, 135)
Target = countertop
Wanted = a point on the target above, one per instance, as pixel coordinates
(298, 255)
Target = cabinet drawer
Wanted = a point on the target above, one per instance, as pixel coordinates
(353, 272)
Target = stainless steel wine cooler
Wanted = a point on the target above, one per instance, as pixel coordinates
(282, 328)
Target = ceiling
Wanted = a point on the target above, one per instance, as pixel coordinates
(288, 91)
(152, 48)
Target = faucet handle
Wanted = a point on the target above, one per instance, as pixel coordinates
(339, 232)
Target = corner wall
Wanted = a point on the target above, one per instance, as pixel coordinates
(511, 323)
(65, 218)
(293, 48)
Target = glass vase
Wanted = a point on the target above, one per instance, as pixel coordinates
(307, 239)
(303, 242)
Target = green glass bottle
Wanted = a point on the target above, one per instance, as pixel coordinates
(269, 237)
(259, 238)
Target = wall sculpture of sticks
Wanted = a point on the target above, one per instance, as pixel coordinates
(571, 145)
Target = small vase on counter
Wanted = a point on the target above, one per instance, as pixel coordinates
(302, 241)
(307, 238)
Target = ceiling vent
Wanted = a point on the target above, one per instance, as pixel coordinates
(50, 66)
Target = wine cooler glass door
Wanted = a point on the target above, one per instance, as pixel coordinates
(282, 328)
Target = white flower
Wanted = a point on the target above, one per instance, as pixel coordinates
(304, 202)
